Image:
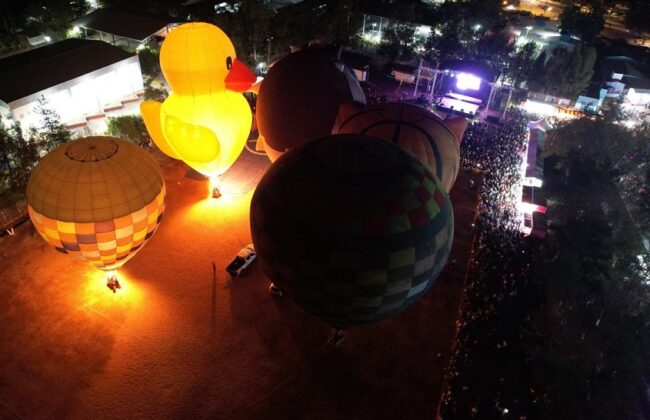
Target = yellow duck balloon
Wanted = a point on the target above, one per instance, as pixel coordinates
(206, 120)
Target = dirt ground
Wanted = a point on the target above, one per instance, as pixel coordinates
(177, 342)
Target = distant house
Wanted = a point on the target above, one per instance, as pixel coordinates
(624, 80)
(563, 41)
(616, 78)
(541, 30)
(123, 28)
(357, 62)
(82, 80)
(403, 73)
(591, 99)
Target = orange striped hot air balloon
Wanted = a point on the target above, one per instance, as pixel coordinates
(416, 130)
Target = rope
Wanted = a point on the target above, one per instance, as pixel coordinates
(292, 375)
(253, 151)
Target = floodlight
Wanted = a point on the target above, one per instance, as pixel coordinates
(466, 81)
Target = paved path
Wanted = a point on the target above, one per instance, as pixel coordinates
(177, 342)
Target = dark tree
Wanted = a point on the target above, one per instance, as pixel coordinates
(450, 43)
(590, 147)
(20, 154)
(53, 16)
(129, 127)
(644, 200)
(398, 41)
(173, 8)
(638, 15)
(591, 335)
(324, 21)
(494, 50)
(520, 64)
(252, 24)
(566, 72)
(149, 63)
(154, 94)
(53, 133)
(586, 25)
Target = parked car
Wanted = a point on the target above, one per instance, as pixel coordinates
(243, 259)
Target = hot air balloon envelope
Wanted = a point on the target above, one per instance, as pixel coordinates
(206, 120)
(300, 98)
(416, 130)
(99, 198)
(350, 228)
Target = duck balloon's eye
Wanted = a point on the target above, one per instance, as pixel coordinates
(228, 63)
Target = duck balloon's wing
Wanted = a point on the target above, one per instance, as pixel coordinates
(192, 142)
(150, 111)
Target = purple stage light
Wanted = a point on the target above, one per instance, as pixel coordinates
(466, 81)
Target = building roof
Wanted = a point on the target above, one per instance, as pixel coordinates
(355, 60)
(533, 195)
(404, 68)
(535, 167)
(422, 13)
(637, 83)
(136, 26)
(622, 65)
(33, 71)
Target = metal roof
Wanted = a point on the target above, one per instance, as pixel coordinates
(41, 68)
(136, 26)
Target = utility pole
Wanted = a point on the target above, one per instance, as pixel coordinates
(433, 83)
(507, 102)
(268, 51)
(379, 33)
(417, 79)
(487, 107)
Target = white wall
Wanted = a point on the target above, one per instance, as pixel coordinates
(84, 96)
(638, 97)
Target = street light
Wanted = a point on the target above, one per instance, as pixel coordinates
(528, 28)
(268, 49)
(477, 26)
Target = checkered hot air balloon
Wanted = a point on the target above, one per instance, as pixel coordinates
(351, 228)
(99, 198)
(416, 130)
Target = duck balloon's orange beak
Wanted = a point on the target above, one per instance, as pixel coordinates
(240, 78)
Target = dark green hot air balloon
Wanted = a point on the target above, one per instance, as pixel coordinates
(351, 228)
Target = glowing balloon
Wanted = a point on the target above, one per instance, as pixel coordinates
(416, 130)
(99, 198)
(350, 228)
(206, 120)
(300, 99)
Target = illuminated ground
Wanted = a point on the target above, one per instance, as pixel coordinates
(178, 343)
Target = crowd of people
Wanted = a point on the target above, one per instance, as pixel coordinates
(634, 186)
(487, 373)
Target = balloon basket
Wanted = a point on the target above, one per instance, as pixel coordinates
(215, 192)
(112, 282)
(214, 187)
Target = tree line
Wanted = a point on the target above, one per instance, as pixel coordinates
(589, 335)
(21, 148)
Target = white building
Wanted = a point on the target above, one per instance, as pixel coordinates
(621, 80)
(84, 81)
(541, 30)
(625, 80)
